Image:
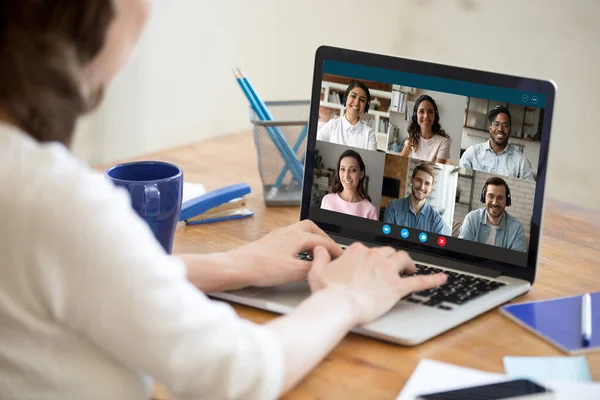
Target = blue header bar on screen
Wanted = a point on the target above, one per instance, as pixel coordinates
(512, 96)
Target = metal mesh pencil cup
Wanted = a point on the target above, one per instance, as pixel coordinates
(290, 118)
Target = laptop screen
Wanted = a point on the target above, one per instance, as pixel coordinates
(426, 161)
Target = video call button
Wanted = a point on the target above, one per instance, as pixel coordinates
(386, 229)
(442, 241)
(423, 237)
(534, 99)
(404, 233)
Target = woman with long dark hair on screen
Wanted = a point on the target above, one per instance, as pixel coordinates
(91, 305)
(426, 139)
(348, 194)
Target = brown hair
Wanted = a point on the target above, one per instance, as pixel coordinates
(43, 47)
(495, 181)
(336, 185)
(414, 130)
(427, 168)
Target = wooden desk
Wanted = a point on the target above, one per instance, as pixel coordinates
(363, 368)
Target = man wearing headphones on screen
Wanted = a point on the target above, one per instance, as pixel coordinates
(349, 130)
(496, 155)
(492, 224)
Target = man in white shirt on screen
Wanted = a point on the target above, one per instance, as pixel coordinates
(349, 130)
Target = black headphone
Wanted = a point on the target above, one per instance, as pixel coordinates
(429, 99)
(363, 87)
(484, 190)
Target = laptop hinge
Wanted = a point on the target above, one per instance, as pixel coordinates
(426, 258)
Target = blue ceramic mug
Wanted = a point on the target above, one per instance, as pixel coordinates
(156, 190)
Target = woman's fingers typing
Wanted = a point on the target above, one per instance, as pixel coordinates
(404, 263)
(421, 282)
(310, 241)
(371, 275)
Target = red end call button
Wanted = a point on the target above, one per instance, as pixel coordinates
(442, 241)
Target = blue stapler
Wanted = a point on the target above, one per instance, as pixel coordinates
(217, 205)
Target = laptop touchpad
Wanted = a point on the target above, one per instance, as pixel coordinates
(289, 295)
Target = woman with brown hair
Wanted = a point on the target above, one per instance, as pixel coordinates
(348, 194)
(91, 306)
(426, 140)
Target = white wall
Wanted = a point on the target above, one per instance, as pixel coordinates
(180, 89)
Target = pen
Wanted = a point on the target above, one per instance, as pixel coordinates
(586, 319)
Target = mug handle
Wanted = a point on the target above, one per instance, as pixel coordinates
(151, 201)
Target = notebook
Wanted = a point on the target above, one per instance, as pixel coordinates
(558, 321)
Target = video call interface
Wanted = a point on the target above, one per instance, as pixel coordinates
(428, 163)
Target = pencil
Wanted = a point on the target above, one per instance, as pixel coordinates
(303, 134)
(259, 107)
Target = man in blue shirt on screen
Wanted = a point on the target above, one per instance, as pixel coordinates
(414, 211)
(496, 155)
(492, 224)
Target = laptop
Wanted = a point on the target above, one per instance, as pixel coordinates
(470, 207)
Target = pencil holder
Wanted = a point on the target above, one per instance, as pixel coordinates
(288, 127)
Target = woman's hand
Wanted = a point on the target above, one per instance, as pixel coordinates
(272, 260)
(370, 277)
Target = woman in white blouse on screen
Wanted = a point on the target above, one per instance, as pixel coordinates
(91, 306)
(349, 130)
(426, 139)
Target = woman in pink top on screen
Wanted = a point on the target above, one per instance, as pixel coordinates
(426, 139)
(348, 194)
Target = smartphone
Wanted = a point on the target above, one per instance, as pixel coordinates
(518, 389)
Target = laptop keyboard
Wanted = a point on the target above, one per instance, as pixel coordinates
(458, 289)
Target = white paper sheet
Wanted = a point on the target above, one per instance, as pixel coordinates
(434, 376)
(191, 190)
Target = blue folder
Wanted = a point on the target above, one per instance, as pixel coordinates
(558, 321)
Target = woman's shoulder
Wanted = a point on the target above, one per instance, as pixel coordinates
(441, 138)
(366, 203)
(48, 178)
(33, 167)
(329, 198)
(366, 127)
(333, 122)
(437, 138)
